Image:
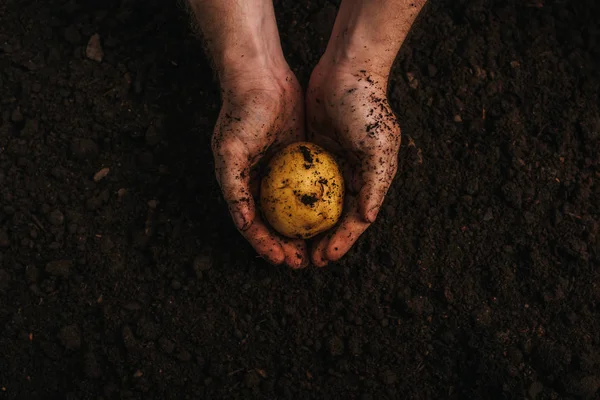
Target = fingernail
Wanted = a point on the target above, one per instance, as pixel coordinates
(372, 214)
(239, 221)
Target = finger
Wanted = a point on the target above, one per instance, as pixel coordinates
(232, 169)
(318, 256)
(346, 234)
(296, 255)
(377, 175)
(266, 244)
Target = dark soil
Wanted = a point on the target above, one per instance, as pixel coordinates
(480, 279)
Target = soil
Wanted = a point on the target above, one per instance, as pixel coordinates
(480, 278)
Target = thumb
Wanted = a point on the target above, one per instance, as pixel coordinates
(232, 169)
(377, 175)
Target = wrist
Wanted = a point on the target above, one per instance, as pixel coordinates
(368, 34)
(250, 62)
(360, 41)
(240, 36)
(355, 56)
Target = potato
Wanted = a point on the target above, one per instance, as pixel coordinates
(302, 192)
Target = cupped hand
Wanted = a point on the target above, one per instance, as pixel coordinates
(349, 114)
(262, 111)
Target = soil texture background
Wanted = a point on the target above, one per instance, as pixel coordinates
(122, 276)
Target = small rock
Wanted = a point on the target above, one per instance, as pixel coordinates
(488, 216)
(146, 160)
(139, 239)
(267, 386)
(252, 379)
(175, 284)
(53, 56)
(59, 268)
(98, 176)
(335, 346)
(57, 172)
(72, 35)
(83, 149)
(105, 196)
(132, 306)
(69, 337)
(479, 72)
(35, 289)
(412, 80)
(94, 50)
(457, 118)
(216, 369)
(184, 356)
(282, 388)
(106, 244)
(201, 263)
(51, 350)
(483, 316)
(56, 218)
(4, 241)
(93, 203)
(388, 377)
(515, 355)
(166, 345)
(419, 305)
(152, 136)
(512, 194)
(535, 389)
(432, 70)
(588, 387)
(138, 83)
(128, 338)
(31, 128)
(4, 279)
(91, 367)
(16, 116)
(32, 274)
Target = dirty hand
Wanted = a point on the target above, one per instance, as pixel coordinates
(261, 113)
(349, 114)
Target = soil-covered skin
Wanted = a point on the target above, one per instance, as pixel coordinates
(480, 278)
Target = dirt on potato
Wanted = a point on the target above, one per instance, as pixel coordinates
(122, 276)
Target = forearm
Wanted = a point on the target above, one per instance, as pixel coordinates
(370, 33)
(240, 34)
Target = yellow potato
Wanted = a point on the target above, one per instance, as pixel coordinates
(302, 193)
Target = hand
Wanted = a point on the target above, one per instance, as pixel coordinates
(262, 111)
(349, 114)
(348, 110)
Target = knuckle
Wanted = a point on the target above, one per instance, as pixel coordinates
(227, 147)
(268, 101)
